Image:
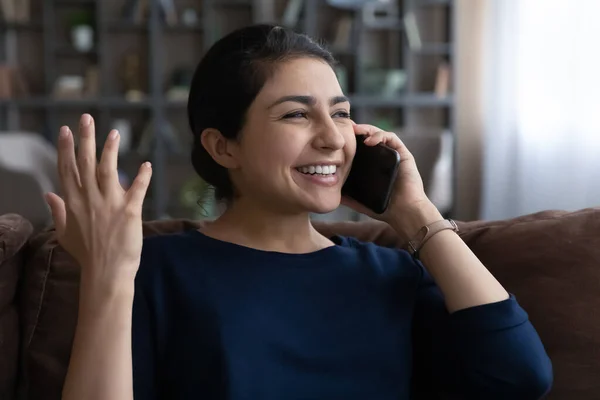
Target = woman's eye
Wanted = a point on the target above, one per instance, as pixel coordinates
(304, 114)
(296, 114)
(342, 114)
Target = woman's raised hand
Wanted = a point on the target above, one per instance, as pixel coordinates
(97, 221)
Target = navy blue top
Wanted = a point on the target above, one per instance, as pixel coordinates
(215, 320)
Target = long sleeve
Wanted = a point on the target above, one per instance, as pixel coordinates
(143, 340)
(485, 352)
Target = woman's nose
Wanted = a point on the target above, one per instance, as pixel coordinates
(330, 137)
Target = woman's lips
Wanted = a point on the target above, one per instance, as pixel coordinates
(318, 179)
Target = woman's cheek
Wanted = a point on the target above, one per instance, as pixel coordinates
(350, 137)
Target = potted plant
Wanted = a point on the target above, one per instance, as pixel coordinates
(198, 196)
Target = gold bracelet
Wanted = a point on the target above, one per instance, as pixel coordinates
(425, 233)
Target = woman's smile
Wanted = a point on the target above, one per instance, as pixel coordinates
(327, 175)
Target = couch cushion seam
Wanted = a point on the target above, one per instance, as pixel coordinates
(13, 255)
(42, 294)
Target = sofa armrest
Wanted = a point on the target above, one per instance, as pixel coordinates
(14, 234)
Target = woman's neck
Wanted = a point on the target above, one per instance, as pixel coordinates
(255, 227)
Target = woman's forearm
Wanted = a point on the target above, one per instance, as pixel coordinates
(100, 367)
(462, 278)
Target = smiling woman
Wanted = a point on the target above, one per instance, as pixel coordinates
(258, 304)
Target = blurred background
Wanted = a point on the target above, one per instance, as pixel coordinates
(497, 99)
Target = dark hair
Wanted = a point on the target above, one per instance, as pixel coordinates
(228, 79)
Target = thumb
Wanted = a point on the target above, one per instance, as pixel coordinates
(59, 212)
(138, 189)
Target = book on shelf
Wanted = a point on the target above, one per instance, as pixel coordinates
(137, 11)
(7, 8)
(342, 40)
(169, 12)
(18, 11)
(412, 31)
(5, 83)
(380, 13)
(292, 13)
(442, 80)
(12, 83)
(23, 10)
(440, 183)
(263, 11)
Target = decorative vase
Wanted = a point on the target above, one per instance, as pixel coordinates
(82, 37)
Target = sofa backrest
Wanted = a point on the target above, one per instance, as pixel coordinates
(24, 197)
(549, 260)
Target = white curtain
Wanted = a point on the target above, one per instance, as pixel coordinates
(542, 106)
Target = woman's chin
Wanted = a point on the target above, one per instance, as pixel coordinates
(324, 206)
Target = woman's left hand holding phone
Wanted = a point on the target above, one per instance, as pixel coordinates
(463, 279)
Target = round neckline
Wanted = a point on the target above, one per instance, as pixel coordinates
(337, 244)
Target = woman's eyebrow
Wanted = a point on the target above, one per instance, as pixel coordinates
(308, 100)
(338, 99)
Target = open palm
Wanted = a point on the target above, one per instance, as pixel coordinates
(98, 222)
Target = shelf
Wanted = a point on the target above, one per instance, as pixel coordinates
(31, 102)
(180, 28)
(397, 26)
(115, 32)
(426, 3)
(171, 160)
(434, 49)
(119, 102)
(48, 102)
(21, 26)
(128, 26)
(75, 2)
(68, 51)
(349, 52)
(175, 104)
(401, 100)
(357, 100)
(233, 3)
(125, 26)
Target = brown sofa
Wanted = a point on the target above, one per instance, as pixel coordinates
(548, 260)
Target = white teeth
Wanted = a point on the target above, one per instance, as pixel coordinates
(318, 169)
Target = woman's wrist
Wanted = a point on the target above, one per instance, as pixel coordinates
(96, 289)
(408, 222)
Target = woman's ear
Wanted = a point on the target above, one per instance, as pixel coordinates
(221, 149)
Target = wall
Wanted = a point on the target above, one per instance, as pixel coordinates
(469, 22)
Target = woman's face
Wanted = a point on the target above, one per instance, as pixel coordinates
(298, 142)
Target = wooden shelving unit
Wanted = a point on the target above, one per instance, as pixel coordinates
(42, 49)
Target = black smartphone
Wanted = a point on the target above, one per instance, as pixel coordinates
(372, 175)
